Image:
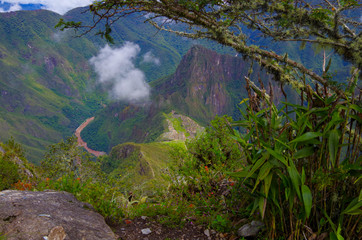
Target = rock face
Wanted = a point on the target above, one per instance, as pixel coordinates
(49, 215)
(189, 128)
(206, 84)
(251, 229)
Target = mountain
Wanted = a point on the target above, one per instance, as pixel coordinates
(47, 86)
(43, 82)
(205, 84)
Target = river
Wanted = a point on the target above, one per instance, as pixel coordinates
(84, 144)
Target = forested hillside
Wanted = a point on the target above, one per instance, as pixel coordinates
(48, 87)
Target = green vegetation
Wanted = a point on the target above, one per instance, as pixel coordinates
(8, 174)
(138, 168)
(314, 158)
(301, 162)
(13, 165)
(297, 167)
(48, 87)
(40, 77)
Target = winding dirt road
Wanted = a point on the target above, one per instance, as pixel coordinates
(84, 144)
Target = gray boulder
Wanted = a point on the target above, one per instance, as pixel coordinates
(251, 229)
(49, 215)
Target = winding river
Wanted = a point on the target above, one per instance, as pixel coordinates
(84, 144)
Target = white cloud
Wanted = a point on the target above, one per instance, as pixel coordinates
(116, 71)
(60, 7)
(60, 35)
(150, 58)
(13, 8)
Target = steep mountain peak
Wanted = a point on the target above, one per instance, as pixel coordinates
(206, 83)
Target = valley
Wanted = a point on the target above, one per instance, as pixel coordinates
(83, 144)
(238, 123)
(48, 86)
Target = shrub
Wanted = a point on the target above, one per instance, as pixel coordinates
(304, 171)
(8, 174)
(199, 179)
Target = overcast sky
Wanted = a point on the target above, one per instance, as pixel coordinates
(59, 6)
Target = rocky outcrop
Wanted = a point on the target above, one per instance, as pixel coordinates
(206, 84)
(251, 229)
(24, 168)
(189, 128)
(49, 215)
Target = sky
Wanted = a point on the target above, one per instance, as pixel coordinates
(58, 6)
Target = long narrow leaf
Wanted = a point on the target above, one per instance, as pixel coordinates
(258, 164)
(354, 208)
(295, 178)
(264, 171)
(304, 152)
(333, 141)
(277, 156)
(307, 199)
(307, 136)
(267, 184)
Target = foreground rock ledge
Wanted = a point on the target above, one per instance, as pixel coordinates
(49, 215)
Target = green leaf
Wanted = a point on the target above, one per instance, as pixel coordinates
(262, 206)
(354, 208)
(333, 141)
(329, 220)
(264, 171)
(258, 164)
(303, 176)
(307, 136)
(277, 156)
(295, 178)
(267, 184)
(307, 199)
(304, 152)
(356, 108)
(334, 236)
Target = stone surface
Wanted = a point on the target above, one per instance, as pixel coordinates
(207, 232)
(251, 229)
(146, 231)
(57, 233)
(51, 215)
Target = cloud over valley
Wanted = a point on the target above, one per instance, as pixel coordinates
(117, 72)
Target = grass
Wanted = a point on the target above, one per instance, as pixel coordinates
(138, 167)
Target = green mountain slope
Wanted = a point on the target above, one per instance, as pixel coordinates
(43, 82)
(47, 86)
(204, 85)
(139, 166)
